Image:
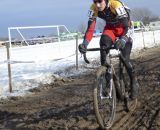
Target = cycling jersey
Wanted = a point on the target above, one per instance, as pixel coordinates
(114, 15)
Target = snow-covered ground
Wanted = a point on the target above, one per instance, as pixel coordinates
(39, 64)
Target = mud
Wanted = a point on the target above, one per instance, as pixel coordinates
(68, 104)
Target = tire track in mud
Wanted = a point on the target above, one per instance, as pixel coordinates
(142, 117)
(121, 120)
(147, 114)
(140, 114)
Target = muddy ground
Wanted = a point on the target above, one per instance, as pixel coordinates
(67, 104)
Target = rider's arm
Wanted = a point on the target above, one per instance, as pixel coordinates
(92, 14)
(90, 30)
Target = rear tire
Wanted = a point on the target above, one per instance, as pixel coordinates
(105, 107)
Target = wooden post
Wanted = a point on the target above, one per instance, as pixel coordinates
(143, 40)
(9, 63)
(77, 51)
(154, 38)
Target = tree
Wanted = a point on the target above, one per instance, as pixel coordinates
(143, 14)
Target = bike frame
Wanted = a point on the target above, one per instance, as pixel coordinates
(110, 65)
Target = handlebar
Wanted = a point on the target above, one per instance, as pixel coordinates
(95, 49)
(99, 49)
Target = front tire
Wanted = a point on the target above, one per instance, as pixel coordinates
(104, 106)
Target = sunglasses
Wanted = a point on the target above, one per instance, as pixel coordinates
(97, 1)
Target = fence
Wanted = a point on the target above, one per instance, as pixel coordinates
(146, 39)
(35, 57)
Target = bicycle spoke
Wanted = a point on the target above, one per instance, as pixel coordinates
(106, 100)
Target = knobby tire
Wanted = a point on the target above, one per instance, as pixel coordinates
(101, 119)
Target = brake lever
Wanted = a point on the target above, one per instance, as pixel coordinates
(85, 58)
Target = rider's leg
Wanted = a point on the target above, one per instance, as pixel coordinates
(105, 42)
(127, 49)
(126, 54)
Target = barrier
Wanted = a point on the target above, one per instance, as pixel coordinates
(55, 51)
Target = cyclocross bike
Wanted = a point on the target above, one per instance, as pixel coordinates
(112, 82)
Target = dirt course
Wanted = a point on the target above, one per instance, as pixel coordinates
(68, 104)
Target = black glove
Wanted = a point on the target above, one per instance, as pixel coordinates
(83, 47)
(120, 43)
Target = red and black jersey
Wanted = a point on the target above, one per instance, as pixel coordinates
(114, 15)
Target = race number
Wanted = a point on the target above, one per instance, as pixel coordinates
(121, 11)
(90, 13)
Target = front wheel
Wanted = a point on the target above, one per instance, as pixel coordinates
(104, 99)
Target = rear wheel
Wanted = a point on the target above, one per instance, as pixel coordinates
(104, 99)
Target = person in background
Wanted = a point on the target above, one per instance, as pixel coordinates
(117, 31)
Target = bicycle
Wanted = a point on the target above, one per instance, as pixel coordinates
(108, 87)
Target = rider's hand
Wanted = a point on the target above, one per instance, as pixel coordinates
(120, 43)
(83, 47)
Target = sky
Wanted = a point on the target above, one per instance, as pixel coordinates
(71, 13)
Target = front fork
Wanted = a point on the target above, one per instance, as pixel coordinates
(109, 73)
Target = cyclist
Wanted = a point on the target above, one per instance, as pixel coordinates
(117, 19)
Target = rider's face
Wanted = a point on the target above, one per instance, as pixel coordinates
(100, 4)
